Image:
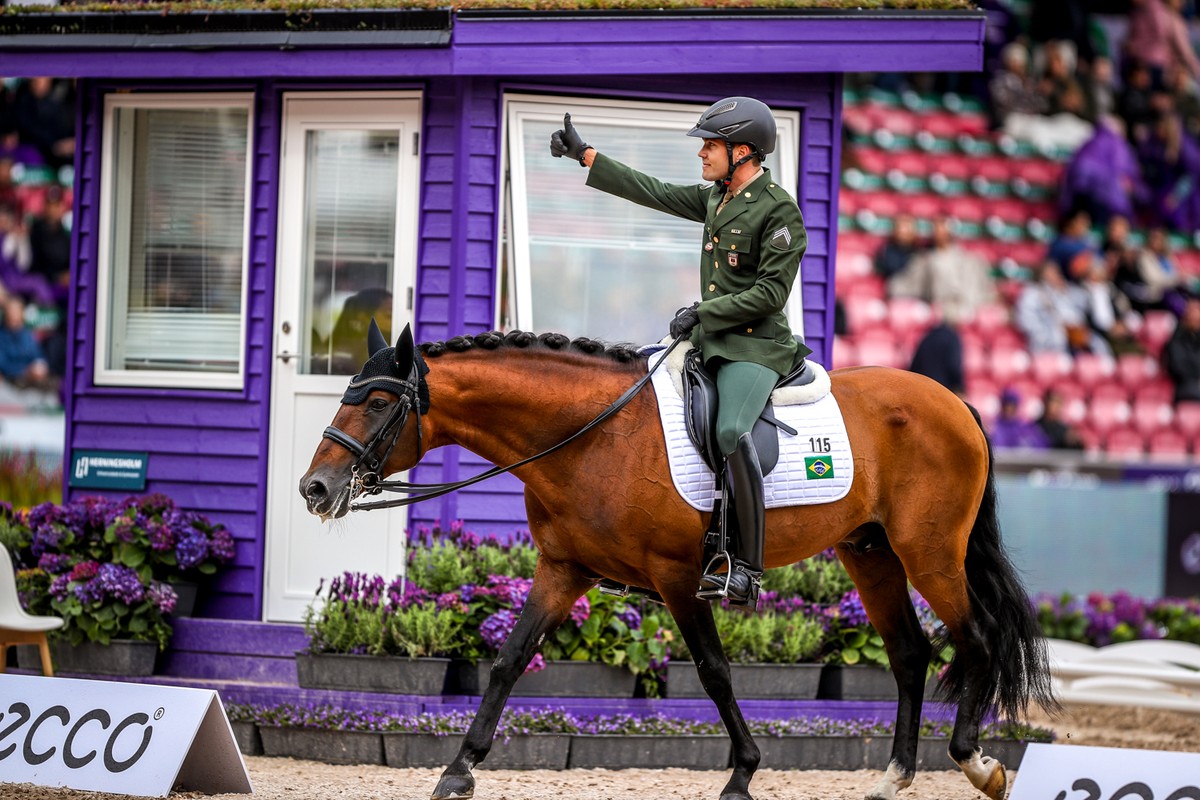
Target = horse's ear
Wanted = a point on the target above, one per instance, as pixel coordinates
(375, 340)
(405, 351)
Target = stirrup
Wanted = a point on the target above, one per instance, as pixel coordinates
(710, 569)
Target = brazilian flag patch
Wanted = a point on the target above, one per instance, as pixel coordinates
(818, 467)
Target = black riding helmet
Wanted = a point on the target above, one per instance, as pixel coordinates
(738, 120)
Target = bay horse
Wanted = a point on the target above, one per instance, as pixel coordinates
(922, 509)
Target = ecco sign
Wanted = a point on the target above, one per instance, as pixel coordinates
(116, 737)
(1069, 772)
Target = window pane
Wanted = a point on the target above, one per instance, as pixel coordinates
(349, 244)
(177, 265)
(597, 265)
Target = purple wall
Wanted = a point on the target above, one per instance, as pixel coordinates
(208, 450)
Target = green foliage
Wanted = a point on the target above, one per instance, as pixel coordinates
(411, 630)
(443, 565)
(25, 483)
(821, 579)
(760, 637)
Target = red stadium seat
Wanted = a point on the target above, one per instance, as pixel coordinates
(923, 206)
(989, 317)
(863, 312)
(878, 347)
(1092, 441)
(1050, 367)
(909, 313)
(852, 266)
(1124, 443)
(871, 286)
(897, 120)
(1168, 445)
(844, 353)
(1157, 327)
(1091, 369)
(1149, 416)
(1134, 370)
(871, 159)
(1106, 413)
(985, 396)
(1187, 419)
(1160, 389)
(858, 242)
(881, 204)
(974, 354)
(969, 209)
(953, 166)
(912, 163)
(1037, 171)
(1005, 364)
(995, 168)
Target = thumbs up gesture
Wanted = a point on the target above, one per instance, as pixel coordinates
(568, 142)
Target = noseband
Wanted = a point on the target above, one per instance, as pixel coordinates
(369, 459)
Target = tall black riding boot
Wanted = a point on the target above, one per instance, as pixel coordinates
(747, 479)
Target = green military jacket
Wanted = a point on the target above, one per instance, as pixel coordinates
(749, 260)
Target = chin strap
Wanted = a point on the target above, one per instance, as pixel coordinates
(733, 165)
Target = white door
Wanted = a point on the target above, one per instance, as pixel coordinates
(349, 181)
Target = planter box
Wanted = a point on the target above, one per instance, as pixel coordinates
(649, 751)
(185, 597)
(558, 679)
(812, 752)
(750, 681)
(120, 657)
(932, 755)
(332, 747)
(532, 751)
(247, 738)
(857, 682)
(421, 676)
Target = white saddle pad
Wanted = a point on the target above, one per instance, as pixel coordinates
(815, 466)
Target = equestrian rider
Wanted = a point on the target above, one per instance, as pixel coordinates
(750, 254)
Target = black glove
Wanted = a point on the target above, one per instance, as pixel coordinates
(568, 142)
(685, 320)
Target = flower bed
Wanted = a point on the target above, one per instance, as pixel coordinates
(105, 566)
(543, 739)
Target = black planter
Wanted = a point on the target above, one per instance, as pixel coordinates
(247, 738)
(532, 751)
(857, 682)
(558, 679)
(750, 681)
(185, 597)
(123, 657)
(932, 755)
(331, 747)
(420, 676)
(409, 750)
(812, 752)
(650, 751)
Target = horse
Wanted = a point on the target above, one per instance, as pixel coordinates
(921, 510)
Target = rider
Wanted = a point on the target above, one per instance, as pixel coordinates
(750, 254)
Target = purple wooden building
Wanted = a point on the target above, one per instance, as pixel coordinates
(251, 187)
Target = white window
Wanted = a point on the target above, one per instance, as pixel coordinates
(175, 176)
(581, 262)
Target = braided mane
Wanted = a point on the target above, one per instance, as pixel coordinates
(495, 340)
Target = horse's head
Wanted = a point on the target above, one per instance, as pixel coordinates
(370, 436)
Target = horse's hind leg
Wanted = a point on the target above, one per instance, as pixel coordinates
(883, 586)
(695, 620)
(555, 589)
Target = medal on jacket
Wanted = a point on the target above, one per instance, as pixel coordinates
(708, 246)
(733, 260)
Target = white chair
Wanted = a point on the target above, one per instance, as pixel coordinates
(17, 626)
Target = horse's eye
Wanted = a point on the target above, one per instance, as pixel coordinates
(379, 404)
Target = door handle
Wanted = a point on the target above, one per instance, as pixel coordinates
(285, 356)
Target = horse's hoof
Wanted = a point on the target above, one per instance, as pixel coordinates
(996, 785)
(736, 796)
(986, 774)
(453, 787)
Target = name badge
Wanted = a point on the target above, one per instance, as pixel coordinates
(733, 260)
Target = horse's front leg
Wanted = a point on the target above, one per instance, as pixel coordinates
(695, 620)
(555, 589)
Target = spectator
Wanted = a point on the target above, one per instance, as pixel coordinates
(1185, 96)
(939, 354)
(11, 148)
(45, 112)
(1012, 90)
(1059, 84)
(21, 360)
(1105, 303)
(1133, 101)
(15, 259)
(1099, 90)
(1103, 177)
(1059, 434)
(1072, 248)
(1052, 313)
(1171, 168)
(8, 188)
(1122, 340)
(51, 241)
(1062, 20)
(946, 274)
(1010, 429)
(1158, 37)
(1158, 282)
(1181, 355)
(898, 249)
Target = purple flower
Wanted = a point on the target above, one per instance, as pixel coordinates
(162, 596)
(54, 563)
(496, 628)
(59, 587)
(221, 545)
(191, 549)
(631, 617)
(581, 610)
(850, 610)
(112, 580)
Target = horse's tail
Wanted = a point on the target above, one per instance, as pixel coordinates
(1018, 670)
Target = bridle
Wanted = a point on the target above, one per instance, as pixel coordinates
(365, 476)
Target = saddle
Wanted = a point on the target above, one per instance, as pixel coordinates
(700, 407)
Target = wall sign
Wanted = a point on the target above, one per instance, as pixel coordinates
(126, 738)
(1068, 772)
(108, 469)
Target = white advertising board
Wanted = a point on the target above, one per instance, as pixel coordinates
(1071, 772)
(125, 738)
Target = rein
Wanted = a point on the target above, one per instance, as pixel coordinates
(369, 482)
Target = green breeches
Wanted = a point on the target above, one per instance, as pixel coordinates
(744, 388)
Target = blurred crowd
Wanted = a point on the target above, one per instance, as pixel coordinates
(37, 148)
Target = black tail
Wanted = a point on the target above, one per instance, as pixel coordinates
(1018, 670)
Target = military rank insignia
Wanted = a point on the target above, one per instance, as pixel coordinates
(781, 239)
(733, 259)
(818, 467)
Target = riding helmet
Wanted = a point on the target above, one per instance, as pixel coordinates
(738, 120)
